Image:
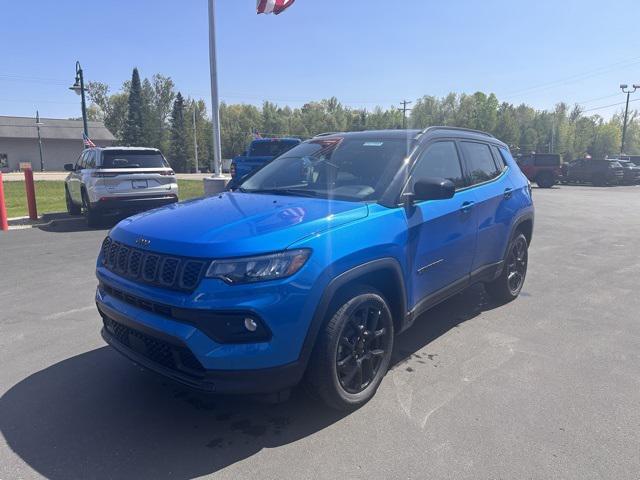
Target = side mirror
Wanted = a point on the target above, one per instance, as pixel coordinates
(68, 167)
(431, 189)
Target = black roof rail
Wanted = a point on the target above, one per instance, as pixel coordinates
(461, 129)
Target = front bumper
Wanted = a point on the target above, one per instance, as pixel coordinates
(167, 356)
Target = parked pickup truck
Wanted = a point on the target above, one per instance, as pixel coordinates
(544, 169)
(260, 152)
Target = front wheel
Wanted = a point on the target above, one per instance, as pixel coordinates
(353, 352)
(508, 285)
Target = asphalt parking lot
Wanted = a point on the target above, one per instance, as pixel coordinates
(545, 387)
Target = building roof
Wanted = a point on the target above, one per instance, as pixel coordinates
(51, 129)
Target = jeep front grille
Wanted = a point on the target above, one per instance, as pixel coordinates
(166, 271)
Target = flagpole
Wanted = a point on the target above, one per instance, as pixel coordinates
(215, 107)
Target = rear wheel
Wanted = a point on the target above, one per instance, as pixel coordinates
(94, 218)
(508, 285)
(599, 180)
(353, 351)
(545, 180)
(72, 208)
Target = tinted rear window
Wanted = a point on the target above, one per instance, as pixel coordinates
(270, 148)
(132, 159)
(547, 160)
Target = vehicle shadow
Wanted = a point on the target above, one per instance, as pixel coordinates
(76, 223)
(96, 415)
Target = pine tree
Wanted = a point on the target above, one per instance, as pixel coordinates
(178, 148)
(132, 133)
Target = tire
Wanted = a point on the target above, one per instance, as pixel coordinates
(353, 351)
(72, 208)
(598, 180)
(94, 219)
(545, 180)
(509, 284)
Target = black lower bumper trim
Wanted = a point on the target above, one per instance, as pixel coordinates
(260, 381)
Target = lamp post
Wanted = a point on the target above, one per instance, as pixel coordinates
(78, 87)
(215, 107)
(628, 91)
(38, 125)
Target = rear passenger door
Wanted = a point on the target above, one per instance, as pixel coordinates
(486, 172)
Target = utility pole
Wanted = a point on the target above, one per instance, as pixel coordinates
(38, 124)
(404, 104)
(624, 89)
(215, 108)
(195, 137)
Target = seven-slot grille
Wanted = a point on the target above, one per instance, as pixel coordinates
(176, 273)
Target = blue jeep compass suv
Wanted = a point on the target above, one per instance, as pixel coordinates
(308, 268)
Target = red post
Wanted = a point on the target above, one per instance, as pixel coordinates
(31, 193)
(4, 224)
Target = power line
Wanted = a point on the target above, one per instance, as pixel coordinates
(576, 77)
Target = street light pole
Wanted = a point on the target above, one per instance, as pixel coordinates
(78, 87)
(38, 124)
(215, 108)
(624, 89)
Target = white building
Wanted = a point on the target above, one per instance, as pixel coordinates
(61, 141)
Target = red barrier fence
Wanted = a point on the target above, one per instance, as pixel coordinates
(4, 224)
(30, 188)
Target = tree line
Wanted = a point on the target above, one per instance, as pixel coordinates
(151, 112)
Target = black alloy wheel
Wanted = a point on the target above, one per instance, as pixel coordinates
(517, 265)
(364, 344)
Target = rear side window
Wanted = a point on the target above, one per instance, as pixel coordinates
(497, 156)
(479, 161)
(270, 148)
(132, 159)
(440, 160)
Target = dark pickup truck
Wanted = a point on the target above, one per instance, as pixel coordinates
(597, 172)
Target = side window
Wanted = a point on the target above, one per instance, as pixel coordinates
(91, 160)
(499, 159)
(479, 161)
(440, 160)
(80, 162)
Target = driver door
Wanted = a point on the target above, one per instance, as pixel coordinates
(442, 233)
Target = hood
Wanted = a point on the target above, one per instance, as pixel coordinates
(234, 224)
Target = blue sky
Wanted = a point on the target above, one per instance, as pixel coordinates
(366, 53)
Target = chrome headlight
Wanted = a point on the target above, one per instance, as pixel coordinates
(258, 268)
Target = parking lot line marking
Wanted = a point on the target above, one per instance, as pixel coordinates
(55, 316)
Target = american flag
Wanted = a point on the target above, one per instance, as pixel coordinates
(87, 141)
(273, 6)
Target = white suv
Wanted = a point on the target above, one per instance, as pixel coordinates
(118, 180)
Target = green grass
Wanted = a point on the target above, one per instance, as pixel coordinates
(50, 196)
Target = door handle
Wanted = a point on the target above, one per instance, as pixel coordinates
(508, 193)
(467, 206)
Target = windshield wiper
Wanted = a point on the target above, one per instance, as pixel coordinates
(299, 192)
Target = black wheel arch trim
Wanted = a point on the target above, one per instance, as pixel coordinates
(349, 276)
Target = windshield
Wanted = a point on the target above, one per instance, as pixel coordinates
(344, 168)
(133, 159)
(271, 148)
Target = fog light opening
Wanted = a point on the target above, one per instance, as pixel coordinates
(250, 324)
